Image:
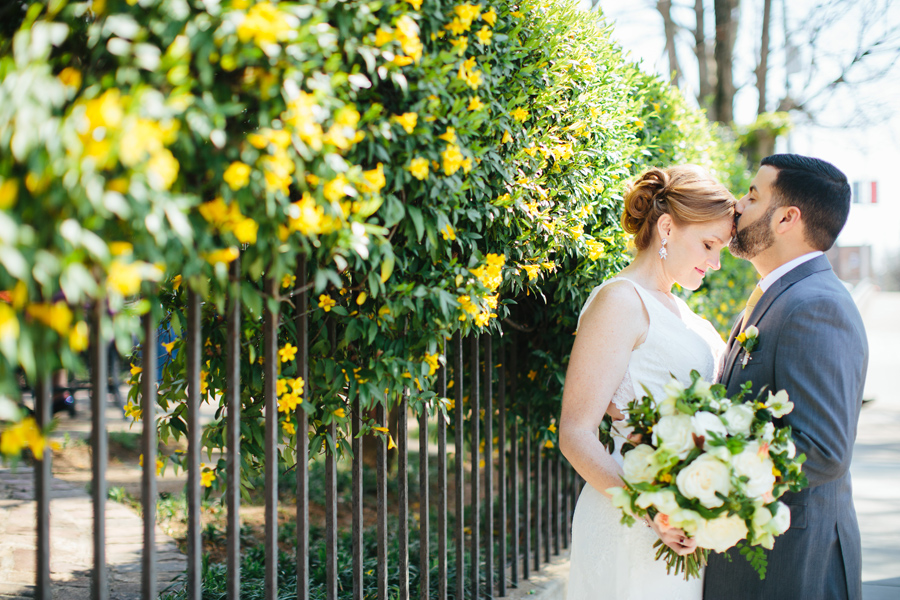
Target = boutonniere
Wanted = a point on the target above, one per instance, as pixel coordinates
(748, 339)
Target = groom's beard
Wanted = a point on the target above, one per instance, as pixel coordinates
(754, 238)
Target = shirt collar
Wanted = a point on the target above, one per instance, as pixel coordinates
(767, 281)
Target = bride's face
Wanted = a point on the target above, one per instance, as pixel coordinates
(694, 248)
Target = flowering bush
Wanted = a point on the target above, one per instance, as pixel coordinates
(443, 168)
(712, 466)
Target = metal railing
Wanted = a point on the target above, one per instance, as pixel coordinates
(526, 518)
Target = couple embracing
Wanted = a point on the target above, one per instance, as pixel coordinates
(633, 333)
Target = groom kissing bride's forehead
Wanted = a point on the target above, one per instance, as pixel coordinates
(812, 344)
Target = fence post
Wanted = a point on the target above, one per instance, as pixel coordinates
(474, 392)
(504, 521)
(301, 323)
(460, 472)
(514, 462)
(193, 346)
(442, 480)
(233, 435)
(424, 530)
(148, 447)
(43, 475)
(99, 452)
(357, 477)
(489, 465)
(271, 434)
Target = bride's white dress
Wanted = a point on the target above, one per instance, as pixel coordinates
(608, 559)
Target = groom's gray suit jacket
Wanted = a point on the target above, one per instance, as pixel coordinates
(811, 343)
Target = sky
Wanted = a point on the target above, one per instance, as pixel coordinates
(864, 153)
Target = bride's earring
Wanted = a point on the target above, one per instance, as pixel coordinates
(662, 251)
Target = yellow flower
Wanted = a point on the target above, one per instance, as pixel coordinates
(289, 402)
(484, 35)
(237, 175)
(380, 429)
(374, 179)
(162, 170)
(519, 114)
(472, 78)
(383, 36)
(326, 302)
(532, 270)
(297, 386)
(490, 17)
(552, 428)
(408, 36)
(78, 337)
(288, 281)
(741, 338)
(548, 444)
(418, 168)
(361, 299)
(245, 231)
(453, 159)
(287, 352)
(264, 24)
(277, 170)
(391, 444)
(402, 61)
(105, 111)
(433, 362)
(288, 427)
(133, 411)
(467, 12)
(305, 216)
(70, 77)
(334, 190)
(9, 323)
(169, 346)
(57, 316)
(136, 370)
(457, 27)
(340, 413)
(506, 138)
(448, 233)
(407, 121)
(532, 375)
(225, 255)
(449, 136)
(468, 307)
(24, 434)
(467, 165)
(9, 190)
(517, 14)
(475, 103)
(459, 45)
(416, 4)
(204, 386)
(207, 476)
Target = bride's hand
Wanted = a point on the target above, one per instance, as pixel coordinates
(674, 538)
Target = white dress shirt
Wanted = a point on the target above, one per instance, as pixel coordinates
(766, 282)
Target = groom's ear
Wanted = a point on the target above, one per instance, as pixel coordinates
(788, 218)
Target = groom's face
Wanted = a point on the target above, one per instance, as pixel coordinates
(753, 231)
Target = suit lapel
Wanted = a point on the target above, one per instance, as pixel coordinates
(820, 263)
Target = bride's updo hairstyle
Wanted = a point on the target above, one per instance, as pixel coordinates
(687, 192)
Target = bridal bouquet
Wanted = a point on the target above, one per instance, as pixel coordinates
(712, 466)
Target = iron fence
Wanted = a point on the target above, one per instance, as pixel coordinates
(525, 519)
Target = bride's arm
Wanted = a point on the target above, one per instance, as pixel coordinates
(611, 327)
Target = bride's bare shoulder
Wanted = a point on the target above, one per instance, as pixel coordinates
(618, 301)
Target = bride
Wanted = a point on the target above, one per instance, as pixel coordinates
(634, 332)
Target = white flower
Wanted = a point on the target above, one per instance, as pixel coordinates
(674, 388)
(674, 433)
(621, 499)
(667, 407)
(664, 501)
(703, 478)
(702, 389)
(781, 521)
(754, 463)
(738, 419)
(751, 332)
(779, 404)
(768, 433)
(704, 422)
(721, 533)
(686, 520)
(720, 452)
(790, 447)
(639, 464)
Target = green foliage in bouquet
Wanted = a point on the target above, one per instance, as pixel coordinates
(711, 466)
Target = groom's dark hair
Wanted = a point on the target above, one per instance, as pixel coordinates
(818, 188)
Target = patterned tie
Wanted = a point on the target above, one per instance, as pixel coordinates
(751, 304)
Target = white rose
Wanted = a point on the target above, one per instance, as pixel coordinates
(703, 478)
(702, 389)
(721, 533)
(768, 433)
(754, 463)
(686, 520)
(674, 388)
(738, 419)
(780, 521)
(779, 404)
(667, 407)
(664, 501)
(674, 433)
(639, 464)
(752, 332)
(704, 422)
(621, 499)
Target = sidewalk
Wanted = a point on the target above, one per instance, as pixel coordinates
(876, 457)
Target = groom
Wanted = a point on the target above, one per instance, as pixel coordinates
(812, 344)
